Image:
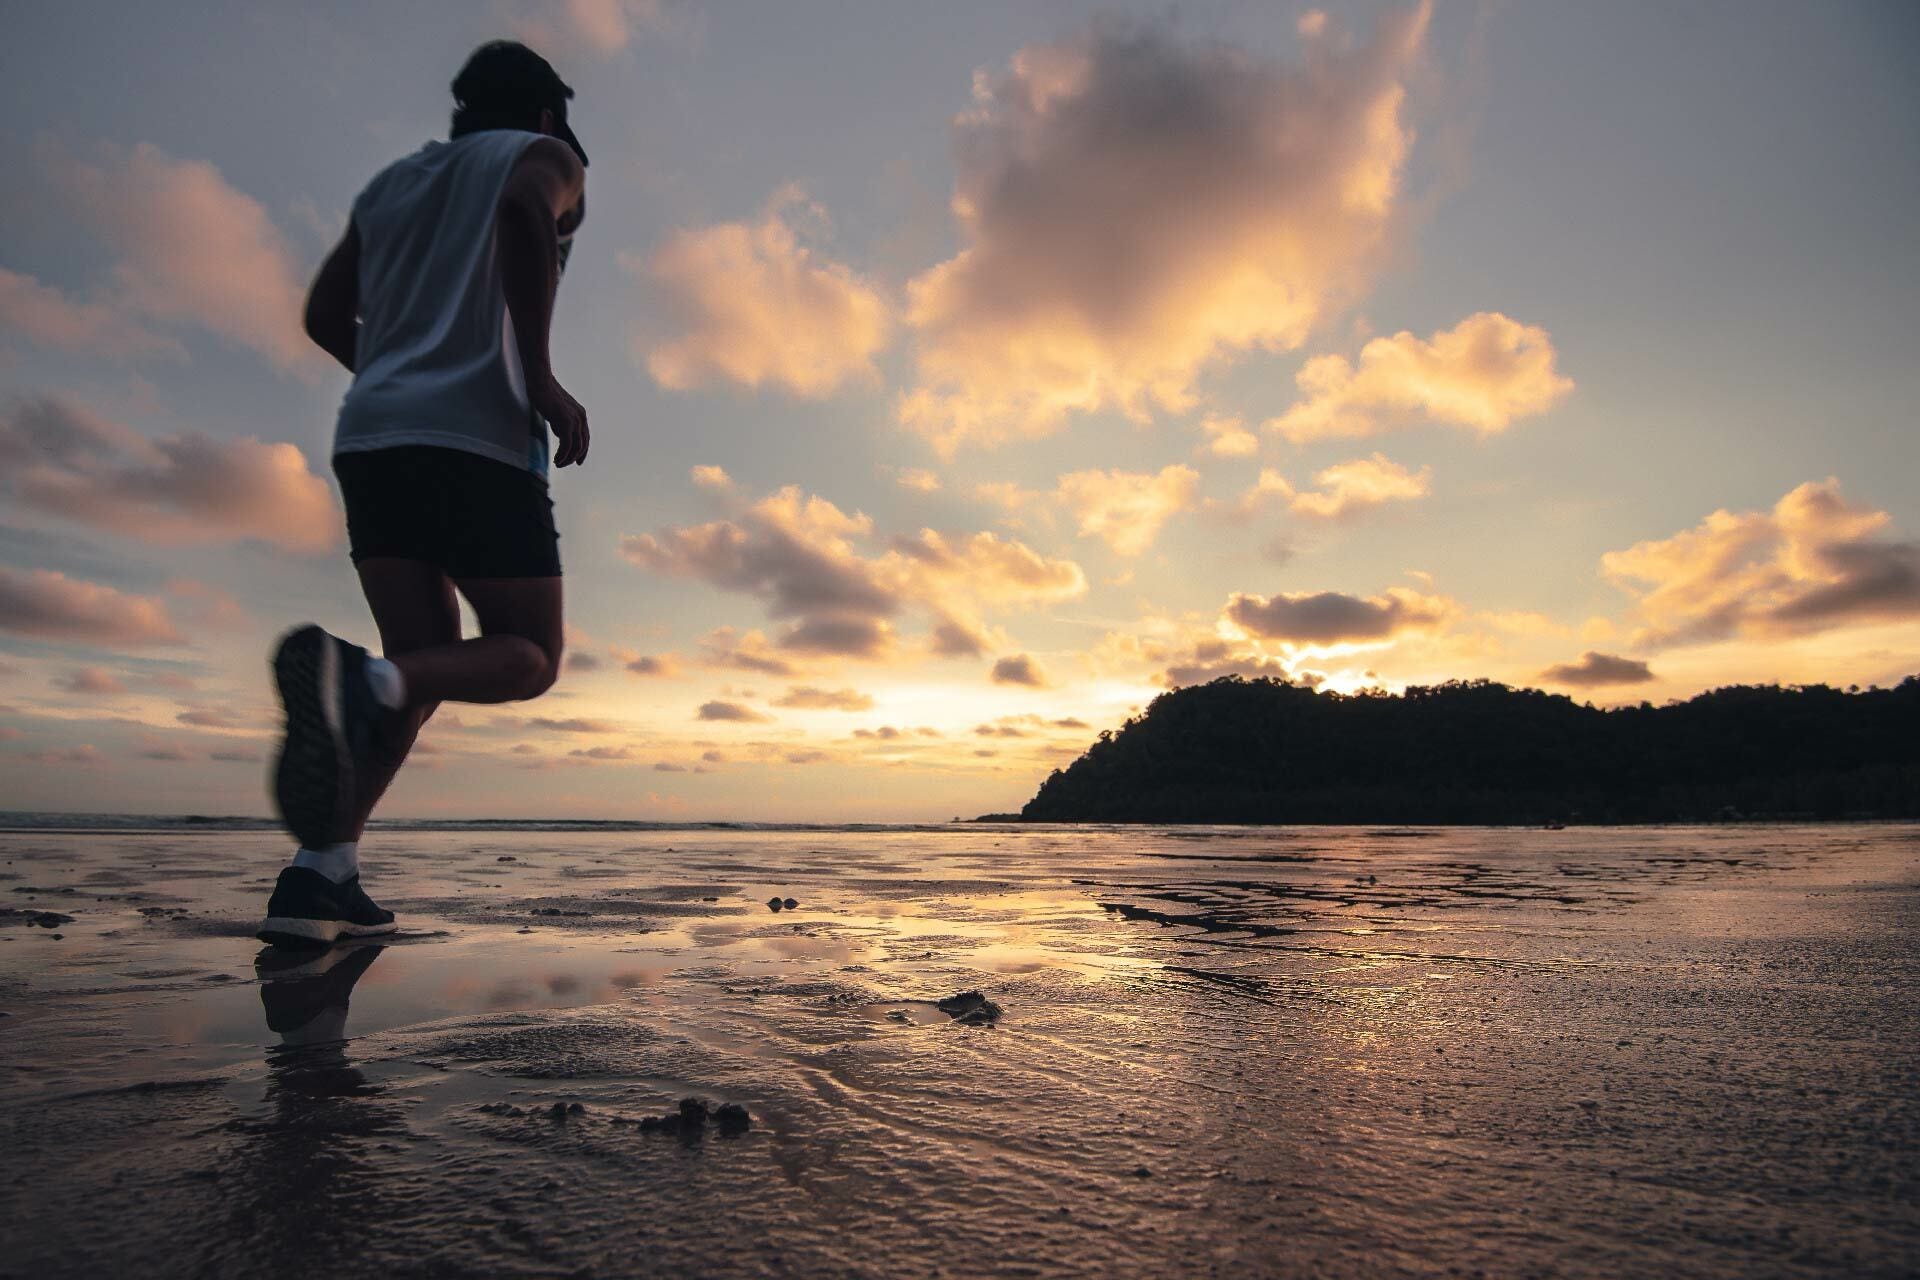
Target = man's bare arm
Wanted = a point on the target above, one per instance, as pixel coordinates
(333, 304)
(546, 183)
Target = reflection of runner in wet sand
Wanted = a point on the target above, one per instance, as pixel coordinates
(305, 995)
(438, 300)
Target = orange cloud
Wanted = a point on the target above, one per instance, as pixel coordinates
(84, 754)
(1597, 669)
(1810, 564)
(50, 605)
(213, 718)
(179, 489)
(1333, 617)
(744, 651)
(1125, 509)
(719, 710)
(1019, 669)
(1211, 657)
(808, 698)
(193, 249)
(979, 570)
(48, 317)
(918, 479)
(90, 680)
(206, 606)
(801, 554)
(601, 28)
(650, 664)
(576, 724)
(1228, 438)
(1345, 489)
(751, 305)
(1349, 487)
(1133, 208)
(1481, 374)
(602, 753)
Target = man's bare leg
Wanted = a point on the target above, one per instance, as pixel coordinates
(516, 656)
(414, 607)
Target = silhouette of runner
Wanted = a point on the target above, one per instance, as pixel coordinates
(437, 299)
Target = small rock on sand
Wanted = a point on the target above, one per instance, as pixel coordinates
(689, 1119)
(970, 1008)
(774, 904)
(32, 919)
(789, 904)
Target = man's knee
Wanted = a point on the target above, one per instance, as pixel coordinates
(533, 669)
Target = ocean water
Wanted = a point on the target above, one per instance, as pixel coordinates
(1216, 1051)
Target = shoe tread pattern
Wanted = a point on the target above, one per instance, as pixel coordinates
(313, 778)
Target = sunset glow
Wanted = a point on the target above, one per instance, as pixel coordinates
(959, 385)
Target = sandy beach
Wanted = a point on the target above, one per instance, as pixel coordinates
(1217, 1052)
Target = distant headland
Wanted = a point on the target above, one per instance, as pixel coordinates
(1266, 751)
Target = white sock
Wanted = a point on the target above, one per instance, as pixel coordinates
(337, 862)
(388, 685)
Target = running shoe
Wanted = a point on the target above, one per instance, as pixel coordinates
(333, 724)
(309, 910)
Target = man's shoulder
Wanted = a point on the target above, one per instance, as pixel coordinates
(495, 145)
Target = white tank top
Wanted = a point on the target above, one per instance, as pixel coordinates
(436, 361)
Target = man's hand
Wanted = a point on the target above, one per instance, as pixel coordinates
(564, 414)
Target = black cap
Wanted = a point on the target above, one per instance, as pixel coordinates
(504, 77)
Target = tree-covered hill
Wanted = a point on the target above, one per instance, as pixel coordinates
(1238, 750)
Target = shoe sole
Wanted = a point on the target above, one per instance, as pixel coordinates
(300, 933)
(313, 778)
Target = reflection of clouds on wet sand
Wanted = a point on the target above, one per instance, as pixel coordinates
(1317, 1044)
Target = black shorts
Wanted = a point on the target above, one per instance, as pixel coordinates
(471, 516)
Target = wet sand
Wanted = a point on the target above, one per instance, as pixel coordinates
(1218, 1052)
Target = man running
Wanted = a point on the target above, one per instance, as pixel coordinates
(437, 300)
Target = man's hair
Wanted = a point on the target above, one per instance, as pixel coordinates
(506, 85)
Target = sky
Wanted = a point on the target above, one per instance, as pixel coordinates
(964, 376)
